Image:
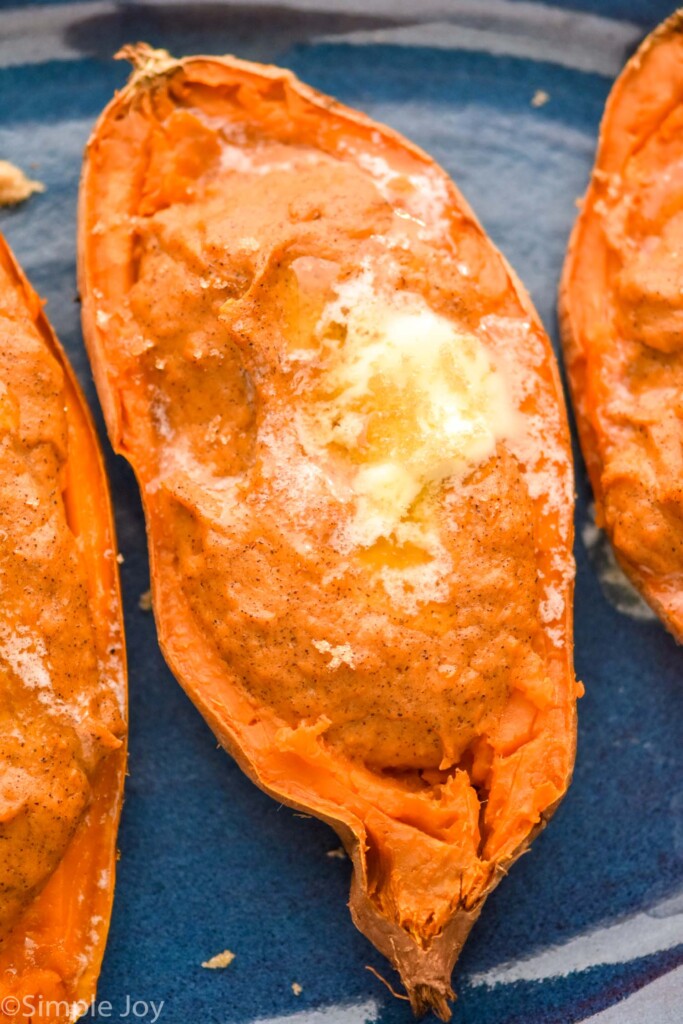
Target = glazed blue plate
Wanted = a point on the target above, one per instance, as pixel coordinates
(589, 926)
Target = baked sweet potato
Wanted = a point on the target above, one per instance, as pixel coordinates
(62, 674)
(621, 312)
(347, 426)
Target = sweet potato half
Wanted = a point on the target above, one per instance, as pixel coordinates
(621, 312)
(62, 674)
(350, 438)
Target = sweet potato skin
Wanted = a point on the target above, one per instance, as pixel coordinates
(279, 759)
(52, 947)
(619, 324)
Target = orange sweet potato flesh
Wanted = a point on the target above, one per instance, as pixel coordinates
(621, 311)
(62, 674)
(404, 675)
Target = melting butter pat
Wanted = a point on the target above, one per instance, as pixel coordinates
(407, 398)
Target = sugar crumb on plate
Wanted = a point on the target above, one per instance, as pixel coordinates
(223, 959)
(15, 187)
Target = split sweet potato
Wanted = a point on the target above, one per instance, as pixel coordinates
(62, 674)
(621, 310)
(347, 426)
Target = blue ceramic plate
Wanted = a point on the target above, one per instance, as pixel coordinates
(507, 96)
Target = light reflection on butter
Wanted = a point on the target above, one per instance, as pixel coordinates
(405, 397)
